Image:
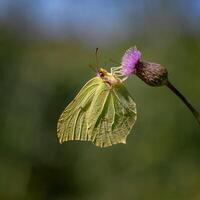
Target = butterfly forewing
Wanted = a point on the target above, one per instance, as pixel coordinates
(72, 122)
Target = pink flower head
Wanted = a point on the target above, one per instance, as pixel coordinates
(129, 61)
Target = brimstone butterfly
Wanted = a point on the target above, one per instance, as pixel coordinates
(103, 112)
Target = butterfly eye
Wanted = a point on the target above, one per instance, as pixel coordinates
(101, 74)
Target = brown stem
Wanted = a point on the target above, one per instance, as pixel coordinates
(185, 101)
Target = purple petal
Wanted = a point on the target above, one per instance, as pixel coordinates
(129, 61)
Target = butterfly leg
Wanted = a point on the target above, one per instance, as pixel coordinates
(115, 70)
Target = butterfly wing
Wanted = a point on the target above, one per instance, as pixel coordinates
(125, 113)
(111, 116)
(99, 114)
(72, 124)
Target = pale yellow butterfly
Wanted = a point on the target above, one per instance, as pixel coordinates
(103, 112)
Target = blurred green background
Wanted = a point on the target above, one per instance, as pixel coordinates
(45, 49)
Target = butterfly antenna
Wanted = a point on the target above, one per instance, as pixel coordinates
(96, 56)
(95, 68)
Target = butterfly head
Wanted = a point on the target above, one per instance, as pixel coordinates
(102, 73)
(110, 79)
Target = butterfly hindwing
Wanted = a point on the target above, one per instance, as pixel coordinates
(125, 114)
(116, 117)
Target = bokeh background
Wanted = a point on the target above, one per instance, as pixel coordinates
(46, 47)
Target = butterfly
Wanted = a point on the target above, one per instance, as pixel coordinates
(103, 112)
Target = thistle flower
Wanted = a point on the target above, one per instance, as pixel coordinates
(130, 60)
(152, 74)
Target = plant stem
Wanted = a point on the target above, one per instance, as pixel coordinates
(185, 101)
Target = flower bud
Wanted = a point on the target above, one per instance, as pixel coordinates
(152, 74)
